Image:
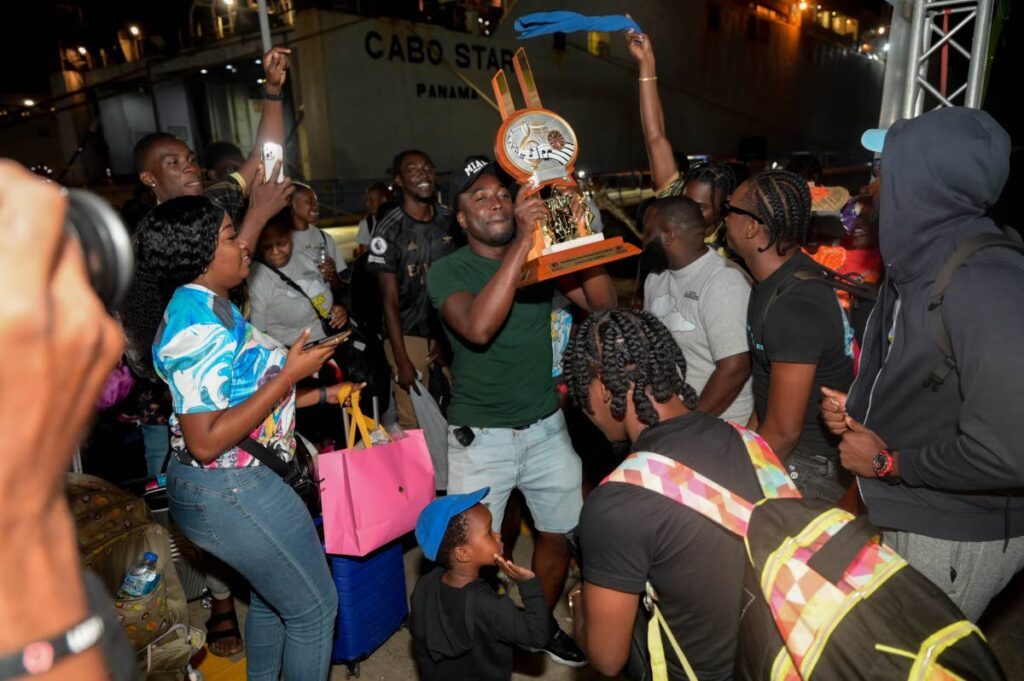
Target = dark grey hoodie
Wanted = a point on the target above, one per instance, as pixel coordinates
(961, 449)
(469, 633)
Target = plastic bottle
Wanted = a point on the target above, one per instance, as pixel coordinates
(141, 579)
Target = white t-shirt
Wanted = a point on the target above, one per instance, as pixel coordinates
(310, 241)
(363, 235)
(704, 305)
(281, 312)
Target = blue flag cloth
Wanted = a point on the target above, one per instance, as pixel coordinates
(542, 23)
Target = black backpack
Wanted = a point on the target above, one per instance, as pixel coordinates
(937, 318)
(861, 294)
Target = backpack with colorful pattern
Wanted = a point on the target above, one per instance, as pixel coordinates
(845, 607)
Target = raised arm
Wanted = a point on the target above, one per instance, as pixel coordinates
(652, 116)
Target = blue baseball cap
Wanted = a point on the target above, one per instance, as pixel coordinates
(874, 139)
(433, 521)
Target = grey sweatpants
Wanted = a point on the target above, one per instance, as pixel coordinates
(971, 573)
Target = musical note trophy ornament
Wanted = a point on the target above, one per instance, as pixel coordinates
(538, 148)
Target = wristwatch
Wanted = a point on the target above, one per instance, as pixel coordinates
(273, 98)
(883, 463)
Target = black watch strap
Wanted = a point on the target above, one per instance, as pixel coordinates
(40, 657)
(273, 98)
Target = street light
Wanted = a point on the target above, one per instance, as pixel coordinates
(803, 6)
(229, 2)
(134, 30)
(82, 50)
(29, 102)
(881, 31)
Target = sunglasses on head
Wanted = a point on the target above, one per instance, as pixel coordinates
(729, 208)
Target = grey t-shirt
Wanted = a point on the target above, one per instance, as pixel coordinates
(704, 305)
(280, 311)
(310, 241)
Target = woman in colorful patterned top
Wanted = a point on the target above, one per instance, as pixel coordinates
(229, 382)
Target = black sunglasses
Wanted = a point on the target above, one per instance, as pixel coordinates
(729, 208)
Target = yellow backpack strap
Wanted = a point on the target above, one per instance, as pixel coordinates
(655, 648)
(771, 474)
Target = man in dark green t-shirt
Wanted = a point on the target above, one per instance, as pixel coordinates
(505, 428)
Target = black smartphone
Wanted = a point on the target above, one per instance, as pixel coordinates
(465, 436)
(340, 337)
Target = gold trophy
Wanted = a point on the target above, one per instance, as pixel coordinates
(538, 148)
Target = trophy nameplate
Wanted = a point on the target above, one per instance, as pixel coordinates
(538, 148)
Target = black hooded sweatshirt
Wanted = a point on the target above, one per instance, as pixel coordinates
(961, 449)
(469, 633)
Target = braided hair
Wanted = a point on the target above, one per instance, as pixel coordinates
(624, 347)
(718, 176)
(782, 200)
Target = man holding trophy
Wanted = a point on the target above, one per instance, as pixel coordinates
(505, 427)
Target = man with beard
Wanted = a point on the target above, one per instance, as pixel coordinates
(702, 299)
(405, 243)
(505, 427)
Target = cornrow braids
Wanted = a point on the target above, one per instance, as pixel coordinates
(783, 201)
(624, 347)
(718, 176)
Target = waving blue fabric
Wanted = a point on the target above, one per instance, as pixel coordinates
(542, 23)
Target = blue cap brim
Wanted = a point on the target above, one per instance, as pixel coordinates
(433, 521)
(874, 140)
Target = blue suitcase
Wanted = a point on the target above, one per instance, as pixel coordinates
(372, 603)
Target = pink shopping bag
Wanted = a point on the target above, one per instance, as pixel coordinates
(373, 496)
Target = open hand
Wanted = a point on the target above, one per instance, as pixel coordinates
(514, 572)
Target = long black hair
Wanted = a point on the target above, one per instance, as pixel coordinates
(782, 200)
(174, 244)
(623, 347)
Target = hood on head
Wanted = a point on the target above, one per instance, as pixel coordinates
(940, 174)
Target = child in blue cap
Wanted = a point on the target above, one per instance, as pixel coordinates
(461, 628)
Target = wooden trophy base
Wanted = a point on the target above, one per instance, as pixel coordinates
(558, 264)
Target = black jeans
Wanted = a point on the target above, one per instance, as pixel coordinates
(818, 477)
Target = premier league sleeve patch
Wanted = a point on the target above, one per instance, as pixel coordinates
(378, 246)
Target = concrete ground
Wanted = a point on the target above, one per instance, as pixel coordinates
(1003, 625)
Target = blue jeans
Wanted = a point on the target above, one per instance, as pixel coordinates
(817, 477)
(157, 442)
(254, 522)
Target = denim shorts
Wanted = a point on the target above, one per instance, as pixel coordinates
(538, 460)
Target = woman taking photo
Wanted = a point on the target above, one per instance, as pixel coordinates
(229, 382)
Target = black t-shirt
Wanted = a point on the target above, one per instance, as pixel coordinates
(804, 324)
(408, 247)
(628, 535)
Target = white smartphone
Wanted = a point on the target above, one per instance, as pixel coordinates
(272, 153)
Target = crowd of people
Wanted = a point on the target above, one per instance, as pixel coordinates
(735, 319)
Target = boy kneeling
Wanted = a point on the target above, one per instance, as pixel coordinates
(461, 628)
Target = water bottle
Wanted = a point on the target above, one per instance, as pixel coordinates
(141, 579)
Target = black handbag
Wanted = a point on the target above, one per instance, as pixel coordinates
(300, 473)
